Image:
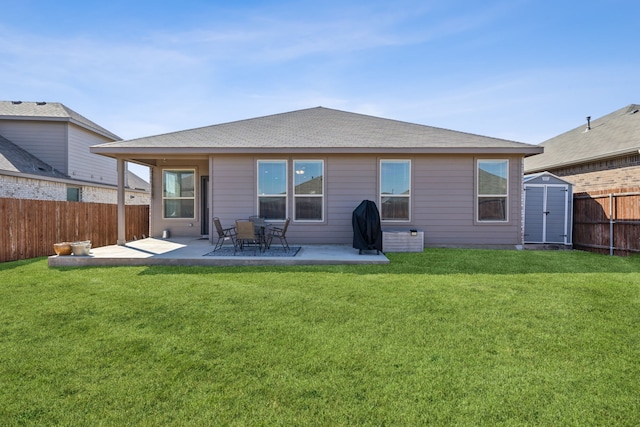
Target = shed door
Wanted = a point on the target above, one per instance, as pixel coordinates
(545, 216)
(534, 215)
(556, 217)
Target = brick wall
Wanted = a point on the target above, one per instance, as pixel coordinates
(14, 187)
(105, 195)
(626, 177)
(620, 172)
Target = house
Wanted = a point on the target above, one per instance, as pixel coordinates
(600, 155)
(44, 154)
(316, 166)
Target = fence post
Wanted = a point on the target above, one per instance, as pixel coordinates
(611, 242)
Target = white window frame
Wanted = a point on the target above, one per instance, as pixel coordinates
(286, 181)
(381, 195)
(295, 195)
(478, 195)
(193, 198)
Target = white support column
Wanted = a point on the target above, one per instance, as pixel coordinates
(122, 170)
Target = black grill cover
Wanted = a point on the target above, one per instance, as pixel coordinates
(367, 233)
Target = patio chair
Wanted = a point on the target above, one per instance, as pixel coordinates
(279, 233)
(246, 235)
(224, 234)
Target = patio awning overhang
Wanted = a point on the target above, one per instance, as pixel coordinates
(149, 155)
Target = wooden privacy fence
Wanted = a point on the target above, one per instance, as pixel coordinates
(29, 228)
(607, 222)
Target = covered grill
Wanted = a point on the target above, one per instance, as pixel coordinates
(367, 233)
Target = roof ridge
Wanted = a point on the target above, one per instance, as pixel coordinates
(208, 126)
(614, 134)
(52, 110)
(325, 109)
(74, 115)
(633, 108)
(423, 125)
(598, 121)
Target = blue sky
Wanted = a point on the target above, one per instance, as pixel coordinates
(525, 70)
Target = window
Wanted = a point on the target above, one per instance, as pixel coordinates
(272, 189)
(493, 187)
(395, 190)
(73, 194)
(178, 194)
(308, 190)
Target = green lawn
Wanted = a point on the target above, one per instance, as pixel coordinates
(444, 337)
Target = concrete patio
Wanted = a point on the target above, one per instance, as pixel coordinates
(190, 252)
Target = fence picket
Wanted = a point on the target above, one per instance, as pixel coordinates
(29, 228)
(594, 220)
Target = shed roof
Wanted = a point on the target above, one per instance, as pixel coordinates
(314, 130)
(50, 111)
(613, 135)
(535, 176)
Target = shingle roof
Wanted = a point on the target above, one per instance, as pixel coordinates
(15, 159)
(137, 183)
(50, 111)
(615, 134)
(315, 129)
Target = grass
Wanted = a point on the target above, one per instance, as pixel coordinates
(444, 337)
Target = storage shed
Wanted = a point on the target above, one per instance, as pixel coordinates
(548, 209)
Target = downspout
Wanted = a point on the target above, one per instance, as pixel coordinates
(122, 240)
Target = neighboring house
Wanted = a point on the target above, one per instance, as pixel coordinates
(316, 166)
(44, 154)
(600, 155)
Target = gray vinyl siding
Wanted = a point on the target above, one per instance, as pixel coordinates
(348, 181)
(86, 166)
(234, 188)
(44, 140)
(444, 203)
(443, 200)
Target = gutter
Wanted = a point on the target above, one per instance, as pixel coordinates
(66, 181)
(607, 156)
(179, 151)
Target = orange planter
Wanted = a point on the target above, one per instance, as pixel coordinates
(63, 248)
